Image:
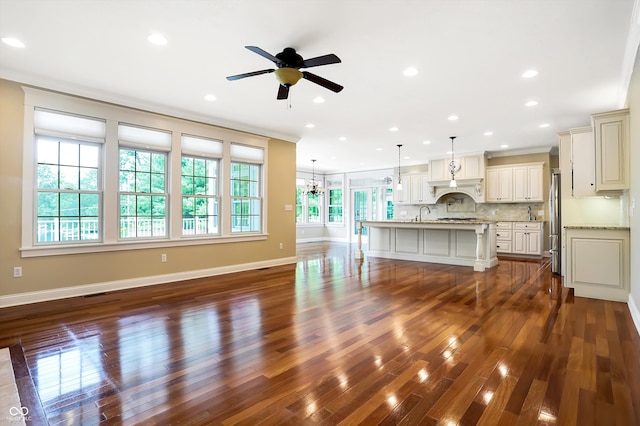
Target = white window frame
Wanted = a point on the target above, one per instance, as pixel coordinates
(254, 156)
(113, 115)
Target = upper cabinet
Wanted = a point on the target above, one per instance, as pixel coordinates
(500, 184)
(611, 134)
(415, 190)
(598, 156)
(516, 183)
(470, 167)
(583, 174)
(527, 183)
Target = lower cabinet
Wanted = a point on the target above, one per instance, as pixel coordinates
(598, 262)
(519, 238)
(504, 237)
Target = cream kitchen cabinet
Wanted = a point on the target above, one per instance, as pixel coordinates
(499, 184)
(611, 136)
(415, 190)
(402, 196)
(421, 190)
(598, 262)
(471, 167)
(527, 183)
(522, 238)
(527, 238)
(583, 173)
(504, 237)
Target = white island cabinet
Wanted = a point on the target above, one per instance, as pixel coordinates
(452, 242)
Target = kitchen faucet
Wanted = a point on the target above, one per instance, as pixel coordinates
(423, 207)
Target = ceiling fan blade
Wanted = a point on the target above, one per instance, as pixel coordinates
(269, 56)
(283, 92)
(322, 81)
(249, 74)
(320, 60)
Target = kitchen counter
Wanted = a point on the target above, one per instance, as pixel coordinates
(455, 241)
(605, 227)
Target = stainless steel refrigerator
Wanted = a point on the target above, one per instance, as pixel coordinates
(555, 230)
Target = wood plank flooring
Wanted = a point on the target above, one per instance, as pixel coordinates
(333, 340)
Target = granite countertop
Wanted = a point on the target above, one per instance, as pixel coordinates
(602, 227)
(472, 221)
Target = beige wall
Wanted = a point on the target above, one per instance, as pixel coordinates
(53, 272)
(633, 102)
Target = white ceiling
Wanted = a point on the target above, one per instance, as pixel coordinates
(470, 55)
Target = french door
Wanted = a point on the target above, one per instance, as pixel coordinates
(363, 207)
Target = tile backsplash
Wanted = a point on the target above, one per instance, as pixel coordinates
(461, 205)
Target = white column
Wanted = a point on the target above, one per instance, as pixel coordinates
(479, 265)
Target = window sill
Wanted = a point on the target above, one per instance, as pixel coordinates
(67, 249)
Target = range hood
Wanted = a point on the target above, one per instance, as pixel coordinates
(474, 188)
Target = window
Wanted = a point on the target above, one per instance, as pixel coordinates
(335, 202)
(300, 204)
(199, 182)
(68, 184)
(308, 206)
(389, 202)
(102, 177)
(246, 191)
(143, 187)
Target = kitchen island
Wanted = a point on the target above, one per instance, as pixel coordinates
(470, 242)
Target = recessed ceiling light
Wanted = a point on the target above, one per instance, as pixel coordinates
(449, 152)
(426, 142)
(13, 42)
(531, 103)
(342, 138)
(410, 72)
(393, 129)
(504, 145)
(529, 74)
(362, 164)
(210, 97)
(378, 149)
(488, 133)
(543, 125)
(318, 99)
(333, 158)
(406, 157)
(452, 117)
(310, 125)
(157, 39)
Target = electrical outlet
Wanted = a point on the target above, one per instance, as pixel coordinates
(164, 258)
(17, 272)
(281, 246)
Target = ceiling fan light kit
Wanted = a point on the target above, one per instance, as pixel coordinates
(288, 72)
(288, 76)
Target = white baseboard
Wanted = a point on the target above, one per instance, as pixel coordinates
(83, 290)
(321, 239)
(635, 313)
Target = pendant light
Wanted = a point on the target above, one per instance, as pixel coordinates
(399, 186)
(452, 167)
(313, 186)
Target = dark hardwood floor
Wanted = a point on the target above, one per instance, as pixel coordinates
(332, 340)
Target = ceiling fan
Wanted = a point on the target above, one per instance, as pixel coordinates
(288, 72)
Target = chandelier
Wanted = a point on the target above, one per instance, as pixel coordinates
(313, 186)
